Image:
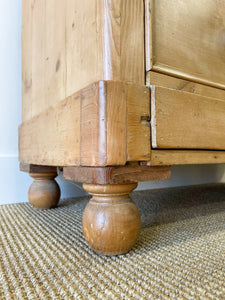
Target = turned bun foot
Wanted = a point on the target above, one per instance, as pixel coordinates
(111, 220)
(44, 192)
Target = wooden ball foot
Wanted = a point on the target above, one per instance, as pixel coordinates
(44, 192)
(111, 220)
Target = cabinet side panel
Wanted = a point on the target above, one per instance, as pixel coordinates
(68, 45)
(38, 64)
(84, 43)
(43, 55)
(105, 41)
(33, 57)
(55, 52)
(52, 137)
(27, 16)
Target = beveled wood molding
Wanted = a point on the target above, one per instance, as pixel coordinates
(116, 175)
(182, 75)
(171, 82)
(104, 124)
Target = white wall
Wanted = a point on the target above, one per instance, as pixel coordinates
(13, 183)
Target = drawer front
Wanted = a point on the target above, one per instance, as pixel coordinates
(182, 120)
(186, 39)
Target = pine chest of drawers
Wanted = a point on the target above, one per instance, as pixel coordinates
(115, 92)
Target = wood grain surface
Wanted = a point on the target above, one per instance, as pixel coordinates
(158, 79)
(185, 39)
(37, 169)
(138, 129)
(182, 120)
(186, 157)
(111, 220)
(67, 46)
(93, 127)
(44, 192)
(52, 137)
(116, 175)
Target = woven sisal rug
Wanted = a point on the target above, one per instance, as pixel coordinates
(180, 253)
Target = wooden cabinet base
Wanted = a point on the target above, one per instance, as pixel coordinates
(111, 221)
(115, 94)
(44, 192)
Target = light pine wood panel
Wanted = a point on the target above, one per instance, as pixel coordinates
(110, 124)
(52, 137)
(115, 175)
(93, 125)
(37, 48)
(43, 55)
(84, 43)
(186, 157)
(55, 52)
(103, 119)
(188, 121)
(27, 15)
(158, 79)
(67, 45)
(89, 128)
(132, 52)
(138, 123)
(116, 123)
(105, 41)
(185, 39)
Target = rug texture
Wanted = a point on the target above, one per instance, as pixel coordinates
(180, 253)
